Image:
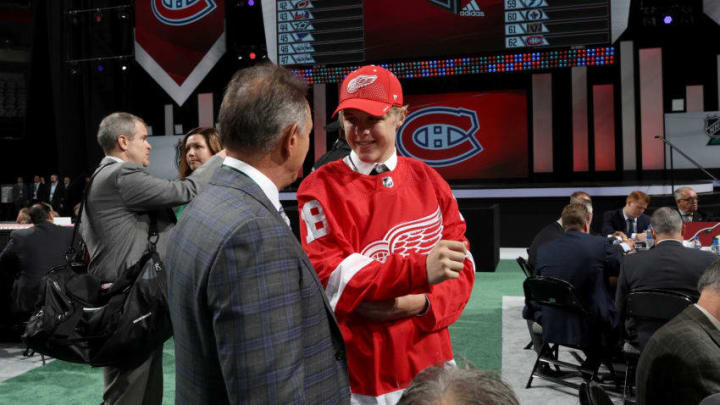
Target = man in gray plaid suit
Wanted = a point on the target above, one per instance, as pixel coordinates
(681, 362)
(251, 321)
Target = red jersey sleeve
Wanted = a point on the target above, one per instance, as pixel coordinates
(350, 278)
(448, 299)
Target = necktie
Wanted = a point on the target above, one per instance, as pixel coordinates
(284, 216)
(378, 169)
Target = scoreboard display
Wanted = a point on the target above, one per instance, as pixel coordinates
(329, 32)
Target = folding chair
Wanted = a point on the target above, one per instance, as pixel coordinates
(593, 393)
(561, 295)
(652, 308)
(527, 269)
(525, 266)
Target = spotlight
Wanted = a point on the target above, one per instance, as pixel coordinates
(100, 68)
(240, 57)
(668, 19)
(74, 69)
(252, 55)
(98, 16)
(251, 3)
(123, 68)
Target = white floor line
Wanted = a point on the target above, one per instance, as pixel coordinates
(13, 363)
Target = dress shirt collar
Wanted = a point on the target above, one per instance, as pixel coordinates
(266, 185)
(712, 319)
(626, 217)
(668, 240)
(115, 158)
(355, 164)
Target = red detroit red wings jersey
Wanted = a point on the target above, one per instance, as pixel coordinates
(368, 238)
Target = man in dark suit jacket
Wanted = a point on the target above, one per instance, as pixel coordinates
(629, 220)
(55, 192)
(29, 254)
(555, 229)
(20, 194)
(687, 204)
(250, 318)
(587, 262)
(115, 225)
(681, 362)
(667, 266)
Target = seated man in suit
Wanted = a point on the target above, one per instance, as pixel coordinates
(687, 204)
(587, 262)
(629, 221)
(669, 266)
(554, 229)
(29, 254)
(681, 362)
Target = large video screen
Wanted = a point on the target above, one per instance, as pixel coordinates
(325, 32)
(472, 135)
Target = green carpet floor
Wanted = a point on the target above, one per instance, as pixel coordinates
(476, 337)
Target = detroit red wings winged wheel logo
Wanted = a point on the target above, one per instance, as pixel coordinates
(417, 236)
(360, 82)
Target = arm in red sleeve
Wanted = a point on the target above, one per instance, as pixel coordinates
(349, 277)
(448, 299)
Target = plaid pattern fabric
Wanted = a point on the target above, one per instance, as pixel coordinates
(681, 363)
(251, 321)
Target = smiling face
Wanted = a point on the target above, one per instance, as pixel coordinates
(197, 151)
(372, 138)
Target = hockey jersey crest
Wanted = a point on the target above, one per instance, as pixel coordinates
(418, 236)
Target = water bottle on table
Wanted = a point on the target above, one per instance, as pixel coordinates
(696, 243)
(715, 247)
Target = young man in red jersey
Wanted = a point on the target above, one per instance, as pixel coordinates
(387, 239)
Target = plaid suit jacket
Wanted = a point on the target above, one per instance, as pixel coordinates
(681, 362)
(251, 321)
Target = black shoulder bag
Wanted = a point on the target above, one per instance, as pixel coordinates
(78, 319)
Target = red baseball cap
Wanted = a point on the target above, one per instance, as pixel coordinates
(371, 89)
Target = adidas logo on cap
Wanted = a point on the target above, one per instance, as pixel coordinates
(472, 10)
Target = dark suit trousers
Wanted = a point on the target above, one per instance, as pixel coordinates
(142, 385)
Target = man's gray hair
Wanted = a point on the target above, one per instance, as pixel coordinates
(710, 278)
(581, 197)
(678, 193)
(260, 102)
(463, 385)
(114, 125)
(666, 221)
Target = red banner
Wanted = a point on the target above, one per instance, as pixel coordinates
(468, 135)
(178, 41)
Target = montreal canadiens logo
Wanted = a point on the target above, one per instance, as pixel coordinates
(181, 12)
(440, 136)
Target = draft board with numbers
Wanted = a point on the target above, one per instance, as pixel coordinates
(330, 32)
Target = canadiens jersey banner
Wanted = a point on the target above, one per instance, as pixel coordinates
(468, 135)
(178, 41)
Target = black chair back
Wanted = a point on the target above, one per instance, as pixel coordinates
(553, 292)
(525, 266)
(654, 305)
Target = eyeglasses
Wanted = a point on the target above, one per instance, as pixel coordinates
(689, 199)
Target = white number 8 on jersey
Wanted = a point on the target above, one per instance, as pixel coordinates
(315, 221)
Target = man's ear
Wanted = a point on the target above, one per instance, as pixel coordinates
(122, 142)
(289, 140)
(401, 115)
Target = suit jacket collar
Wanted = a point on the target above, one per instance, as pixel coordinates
(228, 177)
(266, 185)
(701, 319)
